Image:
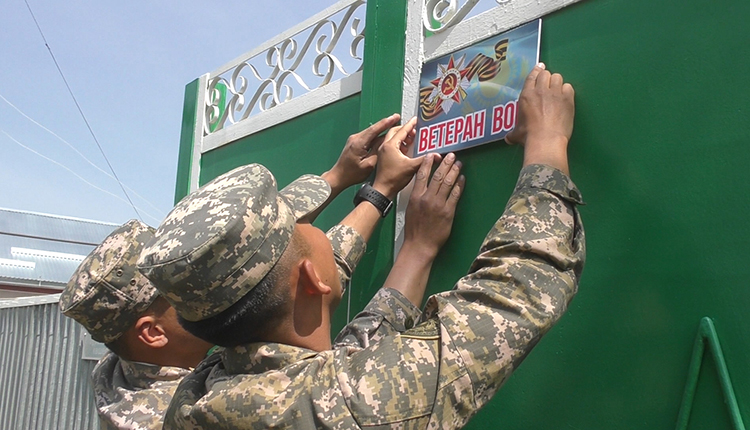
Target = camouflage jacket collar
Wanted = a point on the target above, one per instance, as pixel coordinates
(143, 375)
(261, 357)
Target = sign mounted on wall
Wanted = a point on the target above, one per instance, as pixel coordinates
(469, 97)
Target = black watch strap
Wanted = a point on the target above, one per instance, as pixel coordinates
(370, 194)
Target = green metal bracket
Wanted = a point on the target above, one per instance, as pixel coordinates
(707, 334)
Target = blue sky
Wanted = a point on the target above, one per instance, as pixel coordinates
(128, 64)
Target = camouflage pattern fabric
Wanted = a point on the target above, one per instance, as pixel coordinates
(221, 240)
(387, 314)
(106, 294)
(435, 375)
(131, 395)
(348, 248)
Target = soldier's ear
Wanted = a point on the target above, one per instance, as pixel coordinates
(309, 279)
(150, 332)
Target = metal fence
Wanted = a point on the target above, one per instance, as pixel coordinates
(44, 382)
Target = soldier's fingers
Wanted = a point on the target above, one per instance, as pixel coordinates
(542, 79)
(369, 161)
(375, 144)
(420, 183)
(531, 79)
(567, 89)
(556, 81)
(391, 132)
(372, 131)
(455, 194)
(407, 147)
(440, 173)
(450, 180)
(407, 143)
(412, 134)
(401, 134)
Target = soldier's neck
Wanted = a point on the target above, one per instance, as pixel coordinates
(318, 341)
(173, 355)
(306, 328)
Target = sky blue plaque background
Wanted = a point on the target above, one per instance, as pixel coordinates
(481, 94)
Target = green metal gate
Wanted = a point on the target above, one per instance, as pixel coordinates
(660, 151)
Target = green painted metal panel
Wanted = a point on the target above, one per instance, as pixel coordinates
(660, 151)
(383, 69)
(185, 154)
(382, 83)
(310, 143)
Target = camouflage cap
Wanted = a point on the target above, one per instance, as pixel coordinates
(221, 240)
(107, 294)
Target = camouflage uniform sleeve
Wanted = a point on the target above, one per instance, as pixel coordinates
(471, 339)
(517, 288)
(348, 248)
(387, 314)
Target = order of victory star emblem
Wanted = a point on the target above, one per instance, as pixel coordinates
(468, 97)
(450, 85)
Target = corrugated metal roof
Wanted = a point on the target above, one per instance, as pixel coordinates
(7, 242)
(47, 271)
(44, 250)
(53, 227)
(29, 301)
(44, 382)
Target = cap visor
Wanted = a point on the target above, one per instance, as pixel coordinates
(305, 194)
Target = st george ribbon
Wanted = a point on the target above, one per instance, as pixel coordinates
(468, 98)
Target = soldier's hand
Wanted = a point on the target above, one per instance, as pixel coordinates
(546, 109)
(431, 208)
(395, 168)
(360, 155)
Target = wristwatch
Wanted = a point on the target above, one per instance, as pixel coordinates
(370, 194)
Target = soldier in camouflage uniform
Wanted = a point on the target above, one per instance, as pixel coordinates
(218, 246)
(112, 300)
(120, 308)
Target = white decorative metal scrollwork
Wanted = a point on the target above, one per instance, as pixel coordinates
(262, 82)
(440, 15)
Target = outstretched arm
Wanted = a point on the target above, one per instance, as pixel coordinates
(471, 339)
(429, 218)
(390, 311)
(356, 162)
(529, 265)
(395, 170)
